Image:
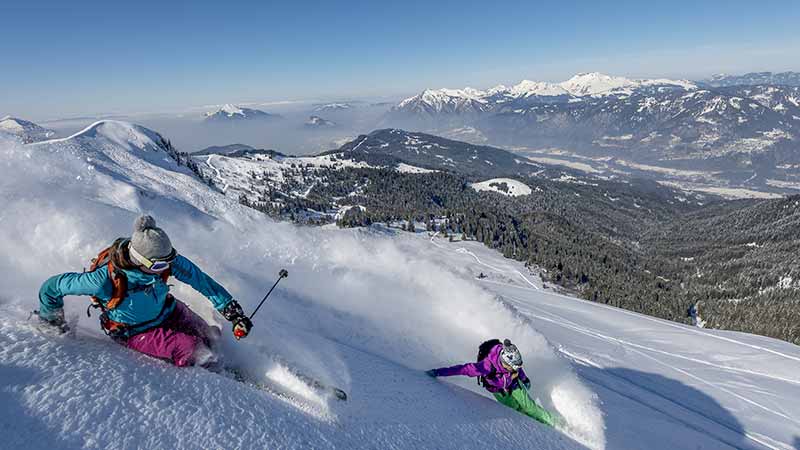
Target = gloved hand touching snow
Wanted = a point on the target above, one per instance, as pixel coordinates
(54, 318)
(431, 373)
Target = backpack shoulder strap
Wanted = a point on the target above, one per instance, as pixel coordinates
(118, 279)
(119, 283)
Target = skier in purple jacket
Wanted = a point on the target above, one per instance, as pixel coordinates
(501, 374)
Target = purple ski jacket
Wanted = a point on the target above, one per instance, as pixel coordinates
(498, 378)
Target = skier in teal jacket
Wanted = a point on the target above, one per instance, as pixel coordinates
(143, 315)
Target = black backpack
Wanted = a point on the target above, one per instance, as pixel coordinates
(483, 352)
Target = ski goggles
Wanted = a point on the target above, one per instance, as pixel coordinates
(155, 265)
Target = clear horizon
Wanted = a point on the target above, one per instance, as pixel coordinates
(99, 58)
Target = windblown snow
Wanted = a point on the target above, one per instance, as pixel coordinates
(364, 309)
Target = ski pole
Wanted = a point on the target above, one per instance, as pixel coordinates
(281, 275)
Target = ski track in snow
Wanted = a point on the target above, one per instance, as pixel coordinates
(219, 174)
(724, 433)
(359, 144)
(638, 349)
(478, 260)
(566, 323)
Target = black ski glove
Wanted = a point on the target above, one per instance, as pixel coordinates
(431, 373)
(241, 324)
(241, 327)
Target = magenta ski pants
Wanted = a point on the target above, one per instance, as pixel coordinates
(176, 339)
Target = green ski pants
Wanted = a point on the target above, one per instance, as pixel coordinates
(519, 400)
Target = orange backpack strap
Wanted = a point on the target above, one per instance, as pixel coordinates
(118, 279)
(120, 286)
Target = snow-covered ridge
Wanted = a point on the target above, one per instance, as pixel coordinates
(333, 107)
(581, 85)
(25, 130)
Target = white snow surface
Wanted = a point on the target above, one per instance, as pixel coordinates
(366, 310)
(25, 130)
(515, 188)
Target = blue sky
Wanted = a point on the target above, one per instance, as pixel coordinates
(84, 57)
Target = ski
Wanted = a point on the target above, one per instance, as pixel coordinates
(240, 376)
(322, 387)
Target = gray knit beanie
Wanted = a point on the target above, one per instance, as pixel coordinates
(150, 241)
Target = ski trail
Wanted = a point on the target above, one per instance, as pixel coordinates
(359, 144)
(678, 418)
(478, 260)
(219, 174)
(639, 349)
(662, 322)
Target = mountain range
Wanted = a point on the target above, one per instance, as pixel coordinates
(753, 78)
(740, 135)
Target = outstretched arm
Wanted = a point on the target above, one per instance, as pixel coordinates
(187, 272)
(52, 292)
(478, 369)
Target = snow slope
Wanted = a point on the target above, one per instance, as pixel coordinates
(662, 385)
(25, 130)
(365, 310)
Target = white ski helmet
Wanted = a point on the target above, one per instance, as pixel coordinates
(510, 355)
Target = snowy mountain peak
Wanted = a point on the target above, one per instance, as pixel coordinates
(596, 83)
(230, 111)
(593, 83)
(25, 130)
(113, 135)
(527, 88)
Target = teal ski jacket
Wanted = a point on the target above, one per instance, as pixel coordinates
(146, 299)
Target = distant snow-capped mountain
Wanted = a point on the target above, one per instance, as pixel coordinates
(750, 127)
(754, 78)
(328, 107)
(318, 122)
(474, 101)
(25, 130)
(230, 112)
(445, 101)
